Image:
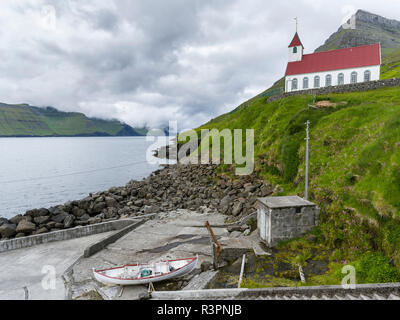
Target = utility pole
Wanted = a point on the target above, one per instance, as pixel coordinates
(307, 158)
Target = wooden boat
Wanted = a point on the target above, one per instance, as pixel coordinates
(135, 274)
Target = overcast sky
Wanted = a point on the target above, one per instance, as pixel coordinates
(150, 61)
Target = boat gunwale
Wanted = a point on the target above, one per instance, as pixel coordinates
(144, 264)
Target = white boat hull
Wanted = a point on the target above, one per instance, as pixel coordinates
(131, 274)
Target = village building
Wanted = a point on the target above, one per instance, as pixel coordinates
(331, 68)
(284, 218)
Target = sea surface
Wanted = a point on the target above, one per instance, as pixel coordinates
(44, 172)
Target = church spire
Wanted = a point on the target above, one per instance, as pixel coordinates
(296, 42)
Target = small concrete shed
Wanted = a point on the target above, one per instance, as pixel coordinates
(284, 218)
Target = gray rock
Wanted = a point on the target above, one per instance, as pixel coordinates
(17, 219)
(59, 218)
(78, 212)
(84, 204)
(37, 213)
(25, 227)
(205, 266)
(69, 221)
(19, 235)
(85, 217)
(99, 207)
(41, 231)
(111, 202)
(3, 221)
(237, 209)
(8, 230)
(41, 219)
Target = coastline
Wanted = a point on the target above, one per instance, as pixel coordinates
(174, 187)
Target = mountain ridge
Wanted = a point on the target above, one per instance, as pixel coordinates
(23, 120)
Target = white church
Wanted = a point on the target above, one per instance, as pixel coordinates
(331, 68)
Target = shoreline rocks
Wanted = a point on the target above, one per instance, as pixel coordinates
(192, 187)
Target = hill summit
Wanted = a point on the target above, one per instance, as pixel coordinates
(369, 28)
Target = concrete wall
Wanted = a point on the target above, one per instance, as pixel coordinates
(358, 87)
(67, 234)
(374, 70)
(285, 223)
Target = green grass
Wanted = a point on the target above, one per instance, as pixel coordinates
(355, 164)
(390, 64)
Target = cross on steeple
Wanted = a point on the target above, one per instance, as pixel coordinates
(297, 22)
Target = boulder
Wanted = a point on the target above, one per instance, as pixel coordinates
(85, 217)
(69, 221)
(8, 230)
(59, 218)
(111, 202)
(99, 207)
(19, 235)
(237, 209)
(3, 221)
(25, 227)
(41, 231)
(37, 213)
(84, 204)
(41, 219)
(78, 212)
(17, 219)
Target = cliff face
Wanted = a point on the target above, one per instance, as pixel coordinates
(369, 28)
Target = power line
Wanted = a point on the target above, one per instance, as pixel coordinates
(72, 174)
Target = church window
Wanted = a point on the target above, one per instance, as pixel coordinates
(316, 82)
(305, 83)
(328, 80)
(341, 79)
(354, 77)
(367, 76)
(295, 50)
(294, 84)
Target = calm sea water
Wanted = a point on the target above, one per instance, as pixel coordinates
(43, 172)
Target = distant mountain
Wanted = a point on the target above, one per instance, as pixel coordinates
(27, 121)
(369, 28)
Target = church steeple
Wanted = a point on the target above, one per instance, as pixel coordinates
(296, 49)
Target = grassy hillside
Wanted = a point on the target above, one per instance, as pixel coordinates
(25, 120)
(355, 172)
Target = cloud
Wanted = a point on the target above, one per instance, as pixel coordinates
(146, 62)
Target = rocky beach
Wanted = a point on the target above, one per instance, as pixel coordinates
(192, 187)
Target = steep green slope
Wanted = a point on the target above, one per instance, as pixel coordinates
(25, 120)
(355, 165)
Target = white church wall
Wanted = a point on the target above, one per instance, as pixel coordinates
(375, 75)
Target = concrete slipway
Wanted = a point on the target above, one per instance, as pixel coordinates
(176, 234)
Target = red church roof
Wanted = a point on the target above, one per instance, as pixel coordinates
(296, 41)
(356, 57)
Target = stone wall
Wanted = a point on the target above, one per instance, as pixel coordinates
(357, 87)
(287, 224)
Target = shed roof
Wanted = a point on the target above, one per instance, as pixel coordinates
(285, 202)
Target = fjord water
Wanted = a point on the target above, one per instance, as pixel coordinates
(44, 172)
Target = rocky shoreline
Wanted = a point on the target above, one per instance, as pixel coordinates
(193, 187)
